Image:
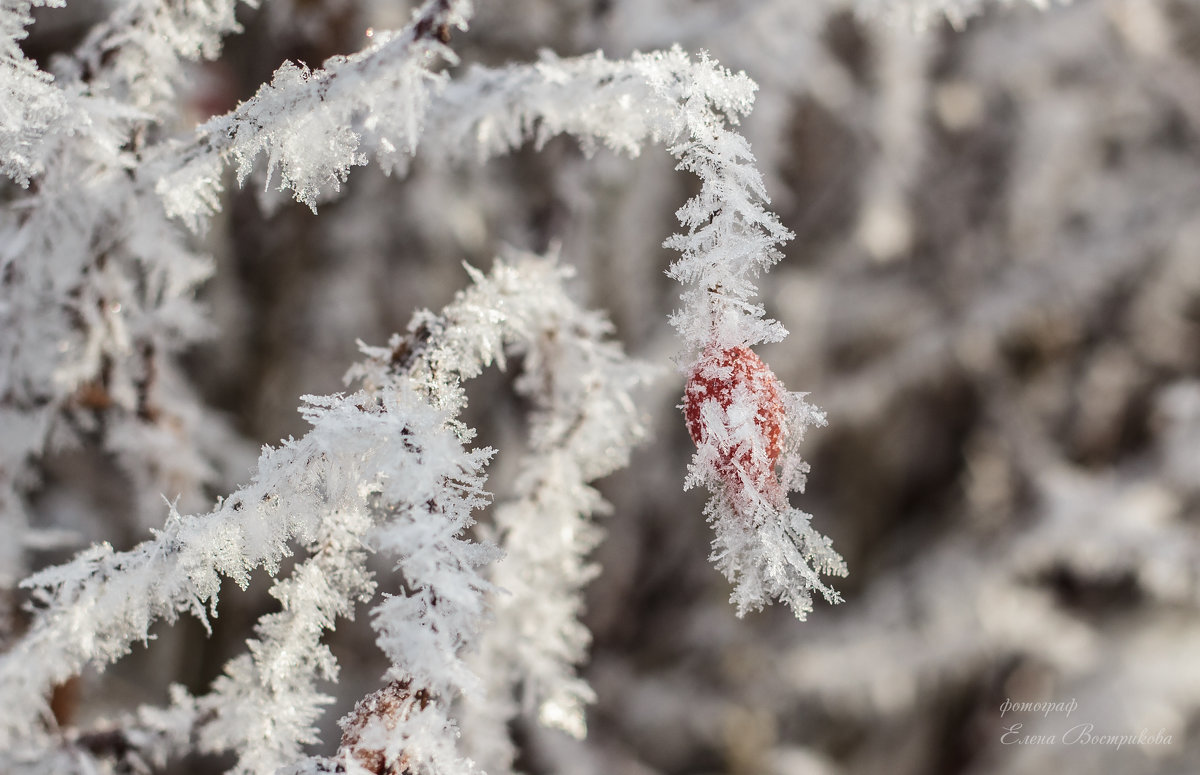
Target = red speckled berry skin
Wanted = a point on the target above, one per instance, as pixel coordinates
(718, 376)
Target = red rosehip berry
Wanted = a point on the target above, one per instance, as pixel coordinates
(738, 375)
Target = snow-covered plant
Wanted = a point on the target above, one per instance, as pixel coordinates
(479, 625)
(384, 470)
(993, 288)
(762, 544)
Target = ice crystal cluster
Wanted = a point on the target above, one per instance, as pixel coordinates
(116, 181)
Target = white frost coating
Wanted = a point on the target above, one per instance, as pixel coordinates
(583, 427)
(97, 302)
(31, 107)
(585, 423)
(314, 125)
(139, 53)
(98, 293)
(94, 607)
(767, 549)
(266, 704)
(382, 469)
(135, 58)
(658, 97)
(729, 237)
(662, 97)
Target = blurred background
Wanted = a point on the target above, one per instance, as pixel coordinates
(993, 292)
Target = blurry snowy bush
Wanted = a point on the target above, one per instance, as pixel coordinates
(993, 292)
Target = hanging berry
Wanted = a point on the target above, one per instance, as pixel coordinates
(735, 391)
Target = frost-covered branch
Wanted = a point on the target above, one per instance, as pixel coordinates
(764, 546)
(128, 67)
(385, 468)
(96, 606)
(314, 125)
(31, 107)
(265, 705)
(584, 424)
(730, 236)
(660, 97)
(98, 301)
(381, 468)
(98, 292)
(139, 53)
